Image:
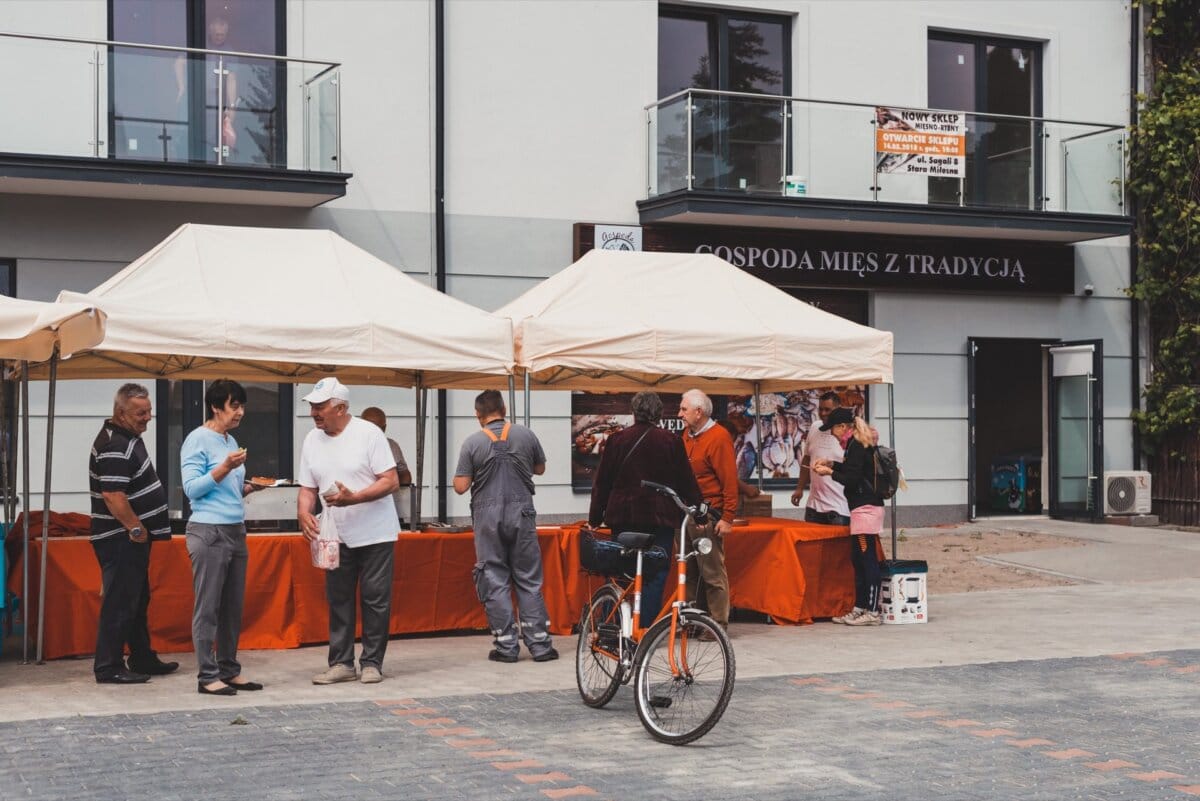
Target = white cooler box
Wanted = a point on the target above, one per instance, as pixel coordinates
(903, 591)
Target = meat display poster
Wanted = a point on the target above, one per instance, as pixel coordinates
(920, 142)
(783, 420)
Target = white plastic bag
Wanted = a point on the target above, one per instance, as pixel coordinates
(325, 547)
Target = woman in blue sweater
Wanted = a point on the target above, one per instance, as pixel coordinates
(214, 480)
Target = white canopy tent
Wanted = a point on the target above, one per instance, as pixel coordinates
(672, 321)
(627, 321)
(289, 305)
(283, 305)
(33, 331)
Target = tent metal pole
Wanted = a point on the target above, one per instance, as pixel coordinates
(46, 500)
(25, 509)
(892, 445)
(512, 394)
(527, 399)
(758, 438)
(6, 439)
(415, 498)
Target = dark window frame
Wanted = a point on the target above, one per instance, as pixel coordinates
(719, 37)
(719, 64)
(194, 415)
(194, 37)
(980, 43)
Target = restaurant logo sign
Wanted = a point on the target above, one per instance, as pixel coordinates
(618, 237)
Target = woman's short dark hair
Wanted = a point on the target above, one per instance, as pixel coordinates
(647, 407)
(221, 392)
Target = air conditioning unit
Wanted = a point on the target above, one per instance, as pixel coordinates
(1126, 492)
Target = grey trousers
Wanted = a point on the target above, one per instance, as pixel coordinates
(367, 569)
(509, 558)
(218, 556)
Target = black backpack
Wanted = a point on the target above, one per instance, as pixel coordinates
(886, 480)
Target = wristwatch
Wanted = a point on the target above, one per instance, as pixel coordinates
(136, 531)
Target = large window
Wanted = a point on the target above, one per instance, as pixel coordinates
(265, 431)
(738, 142)
(201, 108)
(993, 76)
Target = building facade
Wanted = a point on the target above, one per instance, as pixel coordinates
(949, 171)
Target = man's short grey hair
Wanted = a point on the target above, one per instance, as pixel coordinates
(128, 392)
(647, 407)
(698, 400)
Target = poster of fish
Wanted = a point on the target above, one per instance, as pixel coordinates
(782, 419)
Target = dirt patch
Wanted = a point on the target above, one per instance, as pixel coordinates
(954, 564)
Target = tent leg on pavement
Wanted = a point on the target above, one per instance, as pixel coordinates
(46, 501)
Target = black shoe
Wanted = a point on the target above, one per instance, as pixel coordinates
(226, 690)
(246, 686)
(548, 656)
(123, 677)
(660, 701)
(496, 656)
(155, 668)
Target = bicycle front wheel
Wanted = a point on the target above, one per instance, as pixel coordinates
(681, 705)
(598, 670)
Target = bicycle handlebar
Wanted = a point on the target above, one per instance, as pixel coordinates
(699, 512)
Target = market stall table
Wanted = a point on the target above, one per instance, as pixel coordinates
(790, 570)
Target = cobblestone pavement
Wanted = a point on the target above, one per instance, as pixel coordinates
(1124, 726)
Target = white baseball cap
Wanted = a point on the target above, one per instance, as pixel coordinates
(326, 389)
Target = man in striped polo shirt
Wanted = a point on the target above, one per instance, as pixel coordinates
(129, 511)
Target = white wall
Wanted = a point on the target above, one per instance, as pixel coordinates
(545, 127)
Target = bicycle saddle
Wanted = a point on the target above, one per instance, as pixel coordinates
(635, 539)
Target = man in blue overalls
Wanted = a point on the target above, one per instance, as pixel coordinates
(498, 464)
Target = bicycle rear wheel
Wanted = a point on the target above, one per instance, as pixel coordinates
(598, 670)
(678, 709)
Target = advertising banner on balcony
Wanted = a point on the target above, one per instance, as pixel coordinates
(920, 142)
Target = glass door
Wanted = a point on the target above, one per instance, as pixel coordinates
(1076, 413)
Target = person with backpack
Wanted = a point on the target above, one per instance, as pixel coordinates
(864, 495)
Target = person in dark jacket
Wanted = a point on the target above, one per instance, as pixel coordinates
(856, 473)
(643, 452)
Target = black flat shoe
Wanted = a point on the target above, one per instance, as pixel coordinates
(546, 656)
(245, 686)
(496, 656)
(155, 668)
(123, 677)
(226, 690)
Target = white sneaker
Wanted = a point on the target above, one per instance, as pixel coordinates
(846, 618)
(865, 619)
(335, 674)
(370, 675)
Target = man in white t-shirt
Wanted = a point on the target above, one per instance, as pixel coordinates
(347, 460)
(826, 499)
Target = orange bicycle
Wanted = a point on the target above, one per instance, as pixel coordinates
(682, 665)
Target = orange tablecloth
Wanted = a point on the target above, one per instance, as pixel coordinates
(790, 570)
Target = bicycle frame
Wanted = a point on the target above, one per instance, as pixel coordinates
(677, 603)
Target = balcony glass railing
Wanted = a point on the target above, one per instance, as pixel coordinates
(117, 100)
(767, 145)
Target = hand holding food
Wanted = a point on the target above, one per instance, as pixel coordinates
(235, 459)
(339, 495)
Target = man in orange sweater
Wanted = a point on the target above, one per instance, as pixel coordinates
(710, 452)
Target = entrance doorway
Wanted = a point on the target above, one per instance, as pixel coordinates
(1007, 432)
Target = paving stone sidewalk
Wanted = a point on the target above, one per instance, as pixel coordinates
(1123, 726)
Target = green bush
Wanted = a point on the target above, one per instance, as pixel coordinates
(1164, 183)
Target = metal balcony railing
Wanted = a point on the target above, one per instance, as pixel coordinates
(121, 100)
(747, 144)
